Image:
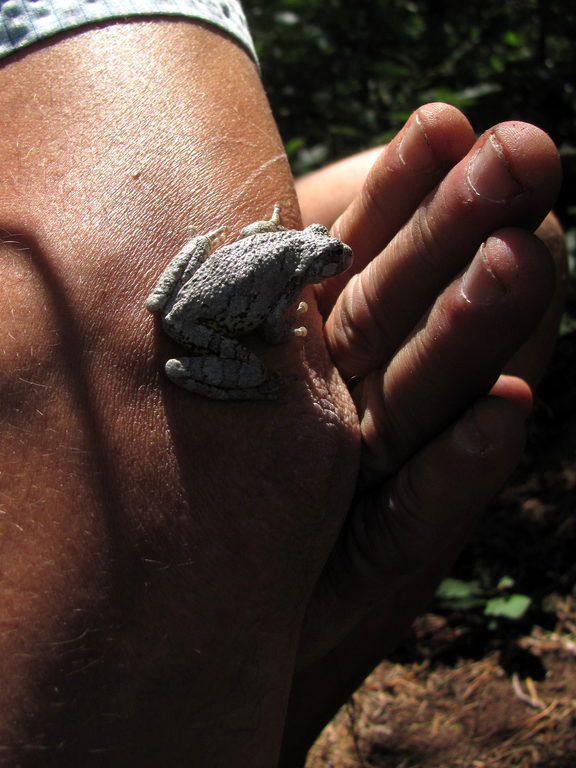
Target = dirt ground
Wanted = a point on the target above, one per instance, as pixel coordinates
(468, 690)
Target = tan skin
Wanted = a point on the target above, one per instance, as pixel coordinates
(174, 569)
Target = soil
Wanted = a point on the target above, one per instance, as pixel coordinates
(470, 690)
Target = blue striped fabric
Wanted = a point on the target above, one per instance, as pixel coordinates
(23, 22)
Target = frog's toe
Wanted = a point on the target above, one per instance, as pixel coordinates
(223, 379)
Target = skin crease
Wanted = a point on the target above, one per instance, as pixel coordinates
(159, 577)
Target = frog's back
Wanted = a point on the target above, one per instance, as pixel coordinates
(248, 270)
(236, 288)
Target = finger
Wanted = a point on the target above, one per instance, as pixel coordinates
(435, 138)
(515, 390)
(458, 352)
(531, 360)
(510, 177)
(399, 528)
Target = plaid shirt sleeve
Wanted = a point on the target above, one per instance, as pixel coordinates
(24, 22)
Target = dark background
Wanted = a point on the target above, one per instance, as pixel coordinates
(343, 76)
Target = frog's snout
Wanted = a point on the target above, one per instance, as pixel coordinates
(342, 260)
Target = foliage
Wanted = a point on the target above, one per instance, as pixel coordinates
(342, 76)
(498, 602)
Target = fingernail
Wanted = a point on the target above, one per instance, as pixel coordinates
(468, 436)
(414, 149)
(480, 285)
(489, 175)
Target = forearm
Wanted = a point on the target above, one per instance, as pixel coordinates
(112, 143)
(324, 194)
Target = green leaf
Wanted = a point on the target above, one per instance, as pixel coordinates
(511, 607)
(460, 595)
(451, 588)
(294, 145)
(506, 582)
(512, 39)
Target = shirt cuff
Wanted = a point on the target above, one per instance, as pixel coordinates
(24, 22)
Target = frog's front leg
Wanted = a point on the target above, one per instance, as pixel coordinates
(188, 259)
(223, 369)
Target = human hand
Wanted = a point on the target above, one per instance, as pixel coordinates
(423, 339)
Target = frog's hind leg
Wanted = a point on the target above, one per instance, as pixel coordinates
(234, 373)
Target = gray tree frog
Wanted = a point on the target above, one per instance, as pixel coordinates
(210, 295)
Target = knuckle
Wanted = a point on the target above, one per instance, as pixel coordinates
(360, 336)
(428, 249)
